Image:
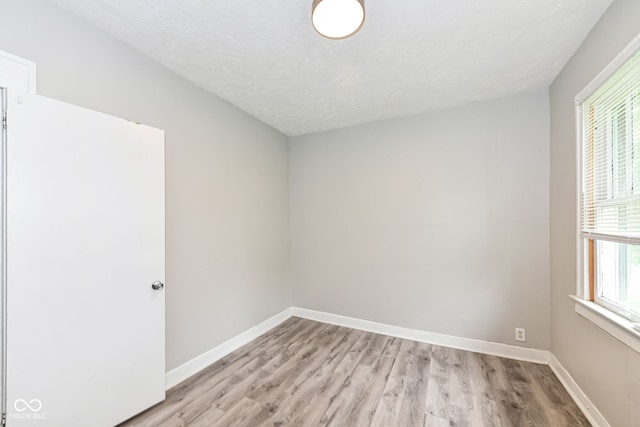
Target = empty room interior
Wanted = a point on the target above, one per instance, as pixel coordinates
(320, 213)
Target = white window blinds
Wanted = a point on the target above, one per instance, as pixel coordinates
(611, 158)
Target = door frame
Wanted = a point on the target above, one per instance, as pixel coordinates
(3, 255)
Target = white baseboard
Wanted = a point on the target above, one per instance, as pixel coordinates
(468, 344)
(198, 363)
(584, 403)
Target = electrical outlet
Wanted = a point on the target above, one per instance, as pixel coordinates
(520, 335)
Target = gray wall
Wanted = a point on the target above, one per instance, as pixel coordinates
(436, 222)
(607, 370)
(227, 256)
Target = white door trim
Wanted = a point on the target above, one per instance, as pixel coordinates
(27, 83)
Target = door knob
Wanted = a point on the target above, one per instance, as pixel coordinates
(157, 285)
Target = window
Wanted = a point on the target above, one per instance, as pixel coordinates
(609, 113)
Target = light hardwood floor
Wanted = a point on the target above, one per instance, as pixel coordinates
(304, 373)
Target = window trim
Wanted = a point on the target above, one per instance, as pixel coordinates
(615, 308)
(585, 297)
(612, 323)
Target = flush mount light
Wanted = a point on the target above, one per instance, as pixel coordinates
(337, 19)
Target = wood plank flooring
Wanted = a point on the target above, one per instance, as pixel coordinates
(304, 373)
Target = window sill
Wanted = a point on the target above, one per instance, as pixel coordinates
(616, 325)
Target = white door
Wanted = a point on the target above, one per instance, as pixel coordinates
(85, 242)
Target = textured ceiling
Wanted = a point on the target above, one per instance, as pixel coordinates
(410, 57)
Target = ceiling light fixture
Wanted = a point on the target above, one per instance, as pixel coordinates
(337, 19)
